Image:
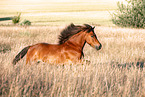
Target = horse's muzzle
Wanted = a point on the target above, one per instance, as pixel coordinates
(98, 47)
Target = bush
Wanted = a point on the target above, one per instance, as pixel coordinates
(130, 15)
(16, 19)
(25, 23)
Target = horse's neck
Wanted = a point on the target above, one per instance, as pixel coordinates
(77, 40)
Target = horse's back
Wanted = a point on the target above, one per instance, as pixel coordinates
(44, 48)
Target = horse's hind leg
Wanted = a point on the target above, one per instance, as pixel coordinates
(32, 60)
(27, 60)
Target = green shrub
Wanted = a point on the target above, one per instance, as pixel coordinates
(130, 15)
(25, 23)
(16, 19)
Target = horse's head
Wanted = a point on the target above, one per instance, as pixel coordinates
(91, 37)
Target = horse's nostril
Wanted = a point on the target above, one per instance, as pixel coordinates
(100, 46)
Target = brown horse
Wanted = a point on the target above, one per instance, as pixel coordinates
(70, 47)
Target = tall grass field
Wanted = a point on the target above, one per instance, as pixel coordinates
(112, 71)
(117, 70)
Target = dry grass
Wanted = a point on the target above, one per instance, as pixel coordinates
(102, 77)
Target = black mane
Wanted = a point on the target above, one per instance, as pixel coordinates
(70, 31)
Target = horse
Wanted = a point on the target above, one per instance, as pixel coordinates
(69, 48)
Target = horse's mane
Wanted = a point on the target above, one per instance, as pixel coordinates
(70, 31)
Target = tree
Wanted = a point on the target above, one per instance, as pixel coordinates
(130, 15)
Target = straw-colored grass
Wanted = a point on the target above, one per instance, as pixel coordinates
(112, 71)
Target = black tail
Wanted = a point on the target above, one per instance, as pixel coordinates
(20, 55)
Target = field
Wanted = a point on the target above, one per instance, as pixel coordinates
(117, 70)
(111, 72)
(58, 13)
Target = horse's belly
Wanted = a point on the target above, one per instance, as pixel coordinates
(56, 54)
(52, 59)
(59, 58)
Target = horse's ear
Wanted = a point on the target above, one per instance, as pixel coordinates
(72, 25)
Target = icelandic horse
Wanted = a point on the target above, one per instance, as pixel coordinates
(69, 49)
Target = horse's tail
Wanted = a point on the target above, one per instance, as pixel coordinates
(20, 55)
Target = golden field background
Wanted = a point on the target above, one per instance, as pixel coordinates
(55, 13)
(114, 71)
